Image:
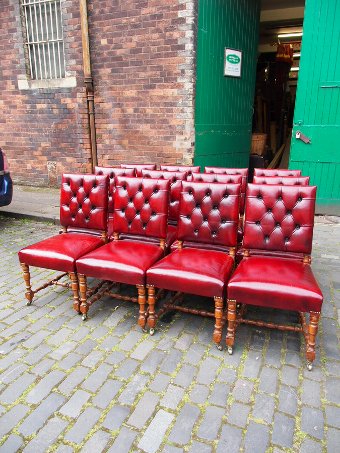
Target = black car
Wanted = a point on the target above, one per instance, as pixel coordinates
(6, 185)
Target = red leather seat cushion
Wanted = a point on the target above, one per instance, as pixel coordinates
(194, 271)
(277, 283)
(59, 252)
(120, 261)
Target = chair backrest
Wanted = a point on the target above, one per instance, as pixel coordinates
(139, 167)
(232, 171)
(209, 213)
(83, 201)
(282, 180)
(189, 169)
(279, 218)
(112, 172)
(175, 178)
(216, 177)
(275, 172)
(141, 206)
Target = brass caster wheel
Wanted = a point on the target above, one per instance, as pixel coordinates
(230, 350)
(84, 317)
(152, 331)
(219, 347)
(144, 330)
(309, 366)
(28, 303)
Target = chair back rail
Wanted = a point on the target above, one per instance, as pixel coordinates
(279, 218)
(139, 167)
(189, 169)
(282, 180)
(276, 172)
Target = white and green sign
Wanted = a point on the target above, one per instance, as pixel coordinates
(232, 62)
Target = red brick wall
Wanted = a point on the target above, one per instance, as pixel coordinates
(143, 68)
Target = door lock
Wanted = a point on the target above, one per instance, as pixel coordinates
(299, 135)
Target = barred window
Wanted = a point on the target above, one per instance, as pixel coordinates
(44, 39)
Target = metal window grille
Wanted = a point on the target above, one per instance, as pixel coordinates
(44, 38)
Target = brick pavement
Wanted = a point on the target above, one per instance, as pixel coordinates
(104, 385)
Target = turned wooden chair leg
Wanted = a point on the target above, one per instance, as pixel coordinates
(27, 277)
(75, 289)
(217, 336)
(230, 338)
(84, 308)
(151, 313)
(312, 332)
(142, 305)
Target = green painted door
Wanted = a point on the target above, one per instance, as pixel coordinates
(317, 109)
(224, 104)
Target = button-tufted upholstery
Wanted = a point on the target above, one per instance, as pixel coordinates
(188, 169)
(232, 171)
(112, 172)
(278, 221)
(279, 218)
(83, 206)
(276, 172)
(282, 180)
(175, 178)
(209, 213)
(141, 206)
(139, 167)
(83, 201)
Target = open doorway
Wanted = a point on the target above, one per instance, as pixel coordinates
(281, 29)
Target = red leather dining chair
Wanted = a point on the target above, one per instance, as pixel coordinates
(188, 169)
(139, 167)
(112, 172)
(175, 178)
(140, 208)
(83, 207)
(208, 215)
(276, 172)
(282, 180)
(279, 221)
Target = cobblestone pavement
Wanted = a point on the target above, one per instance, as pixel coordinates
(104, 385)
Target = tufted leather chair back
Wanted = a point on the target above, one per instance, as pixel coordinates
(175, 178)
(112, 172)
(216, 177)
(279, 218)
(232, 171)
(141, 206)
(83, 201)
(276, 172)
(209, 213)
(282, 180)
(139, 167)
(187, 168)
